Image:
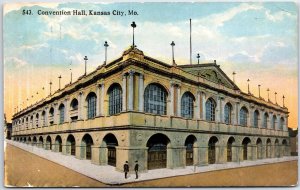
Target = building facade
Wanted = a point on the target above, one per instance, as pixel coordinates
(164, 116)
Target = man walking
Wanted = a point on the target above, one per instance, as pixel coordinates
(126, 169)
(136, 169)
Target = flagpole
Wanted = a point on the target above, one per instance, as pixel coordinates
(190, 41)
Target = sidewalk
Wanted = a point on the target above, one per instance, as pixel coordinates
(108, 175)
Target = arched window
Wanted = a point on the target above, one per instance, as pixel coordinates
(51, 115)
(255, 118)
(115, 99)
(187, 105)
(37, 119)
(61, 113)
(51, 112)
(281, 123)
(266, 117)
(227, 113)
(274, 121)
(243, 116)
(91, 105)
(44, 118)
(210, 107)
(155, 97)
(74, 104)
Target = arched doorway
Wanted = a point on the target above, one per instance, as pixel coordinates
(157, 151)
(276, 148)
(86, 147)
(212, 149)
(268, 151)
(285, 147)
(58, 143)
(189, 144)
(245, 144)
(29, 140)
(34, 141)
(71, 145)
(41, 141)
(111, 142)
(229, 149)
(48, 143)
(259, 148)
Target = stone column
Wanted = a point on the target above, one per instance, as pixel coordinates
(67, 110)
(95, 154)
(285, 126)
(124, 88)
(197, 114)
(141, 93)
(80, 106)
(98, 99)
(172, 99)
(261, 122)
(234, 153)
(237, 114)
(218, 110)
(46, 116)
(221, 154)
(176, 157)
(203, 154)
(222, 110)
(277, 127)
(203, 106)
(178, 101)
(101, 106)
(130, 88)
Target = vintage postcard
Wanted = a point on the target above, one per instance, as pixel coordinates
(154, 94)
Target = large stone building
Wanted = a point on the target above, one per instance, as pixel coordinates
(139, 108)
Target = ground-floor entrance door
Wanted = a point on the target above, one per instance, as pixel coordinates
(157, 156)
(211, 153)
(111, 156)
(245, 151)
(189, 155)
(88, 152)
(229, 152)
(73, 148)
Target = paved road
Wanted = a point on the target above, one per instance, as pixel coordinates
(26, 169)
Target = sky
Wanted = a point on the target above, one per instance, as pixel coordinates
(258, 41)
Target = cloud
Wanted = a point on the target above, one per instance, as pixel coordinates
(218, 20)
(14, 62)
(17, 6)
(277, 16)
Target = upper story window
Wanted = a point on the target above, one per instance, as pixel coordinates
(273, 121)
(51, 115)
(155, 99)
(255, 118)
(91, 105)
(51, 112)
(266, 117)
(281, 123)
(61, 113)
(210, 108)
(243, 116)
(44, 118)
(115, 99)
(187, 105)
(37, 119)
(74, 104)
(227, 113)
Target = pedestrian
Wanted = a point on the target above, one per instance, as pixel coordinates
(126, 169)
(136, 169)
